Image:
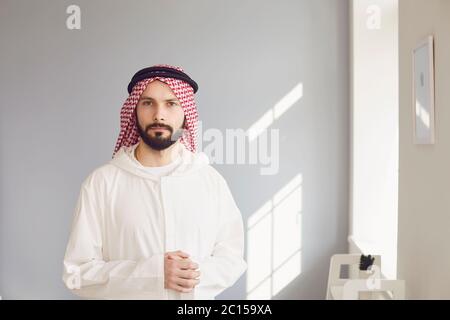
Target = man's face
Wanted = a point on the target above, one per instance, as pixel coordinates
(160, 118)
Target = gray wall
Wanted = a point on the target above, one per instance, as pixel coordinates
(61, 92)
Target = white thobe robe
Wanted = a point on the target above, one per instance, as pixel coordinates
(126, 219)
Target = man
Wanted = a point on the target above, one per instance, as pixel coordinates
(157, 221)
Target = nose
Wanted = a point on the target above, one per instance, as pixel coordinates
(159, 113)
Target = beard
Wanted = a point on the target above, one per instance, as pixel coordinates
(159, 140)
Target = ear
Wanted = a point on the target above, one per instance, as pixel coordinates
(135, 113)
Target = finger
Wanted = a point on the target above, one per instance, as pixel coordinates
(180, 288)
(187, 264)
(187, 274)
(174, 257)
(177, 252)
(187, 283)
(182, 254)
(178, 255)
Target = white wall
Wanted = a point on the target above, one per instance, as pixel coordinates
(373, 217)
(424, 193)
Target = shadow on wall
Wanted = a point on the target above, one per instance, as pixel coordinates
(274, 230)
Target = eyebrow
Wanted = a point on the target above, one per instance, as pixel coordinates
(150, 98)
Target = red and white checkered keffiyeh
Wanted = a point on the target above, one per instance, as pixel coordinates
(129, 134)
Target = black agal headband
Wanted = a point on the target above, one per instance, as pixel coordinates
(164, 72)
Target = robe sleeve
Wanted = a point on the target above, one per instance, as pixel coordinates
(226, 264)
(85, 271)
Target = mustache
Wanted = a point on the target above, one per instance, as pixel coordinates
(160, 125)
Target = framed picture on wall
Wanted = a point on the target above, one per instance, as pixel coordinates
(423, 92)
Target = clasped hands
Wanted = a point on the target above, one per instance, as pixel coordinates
(180, 272)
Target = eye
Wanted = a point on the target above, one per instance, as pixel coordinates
(173, 103)
(146, 103)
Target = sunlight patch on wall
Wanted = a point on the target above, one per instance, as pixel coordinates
(274, 242)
